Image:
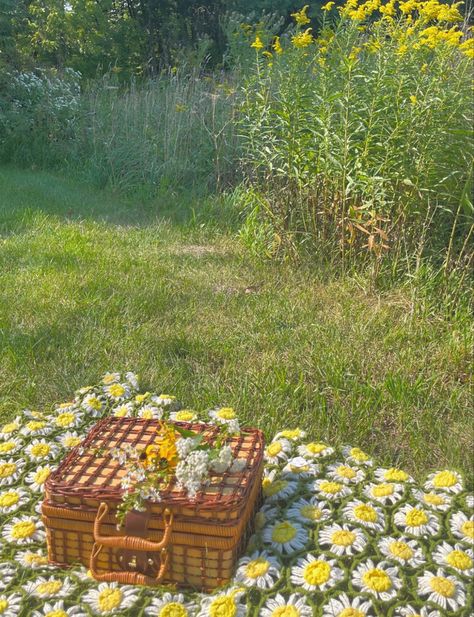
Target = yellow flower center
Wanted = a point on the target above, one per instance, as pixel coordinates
(315, 448)
(65, 419)
(23, 529)
(377, 580)
(346, 472)
(72, 441)
(35, 560)
(443, 586)
(147, 414)
(312, 513)
(359, 455)
(401, 550)
(226, 413)
(58, 613)
(291, 434)
(330, 487)
(95, 403)
(416, 518)
(50, 588)
(468, 529)
(343, 538)
(283, 532)
(7, 470)
(42, 475)
(257, 568)
(10, 427)
(7, 446)
(35, 425)
(116, 390)
(272, 488)
(382, 490)
(223, 607)
(141, 397)
(459, 560)
(184, 416)
(366, 513)
(109, 599)
(40, 449)
(9, 499)
(286, 611)
(173, 609)
(274, 448)
(351, 612)
(395, 475)
(3, 605)
(433, 500)
(444, 479)
(317, 573)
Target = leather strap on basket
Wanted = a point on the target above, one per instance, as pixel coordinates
(131, 546)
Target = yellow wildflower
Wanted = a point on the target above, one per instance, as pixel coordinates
(303, 39)
(413, 99)
(267, 54)
(328, 6)
(450, 12)
(467, 48)
(388, 10)
(402, 50)
(408, 7)
(257, 44)
(354, 54)
(300, 16)
(277, 45)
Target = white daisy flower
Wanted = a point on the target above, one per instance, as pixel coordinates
(299, 467)
(117, 391)
(229, 602)
(148, 412)
(24, 530)
(403, 550)
(294, 606)
(442, 589)
(109, 598)
(356, 456)
(265, 515)
(343, 540)
(58, 610)
(110, 378)
(294, 434)
(132, 379)
(10, 446)
(10, 470)
(68, 419)
(416, 521)
(37, 478)
(392, 475)
(36, 428)
(41, 450)
(69, 440)
(315, 449)
(365, 514)
(385, 493)
(124, 410)
(343, 606)
(65, 407)
(470, 501)
(345, 473)
(316, 573)
(8, 430)
(51, 587)
(278, 451)
(462, 527)
(381, 580)
(409, 611)
(456, 557)
(7, 574)
(276, 488)
(331, 490)
(435, 501)
(13, 499)
(258, 570)
(285, 536)
(171, 604)
(449, 481)
(93, 404)
(33, 559)
(309, 511)
(184, 415)
(164, 400)
(10, 605)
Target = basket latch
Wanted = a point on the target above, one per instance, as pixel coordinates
(136, 556)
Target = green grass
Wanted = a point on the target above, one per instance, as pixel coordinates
(90, 282)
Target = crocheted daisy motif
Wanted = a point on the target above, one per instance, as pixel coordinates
(335, 536)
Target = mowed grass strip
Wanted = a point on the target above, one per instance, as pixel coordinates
(90, 282)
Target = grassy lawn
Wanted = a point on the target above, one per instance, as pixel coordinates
(91, 282)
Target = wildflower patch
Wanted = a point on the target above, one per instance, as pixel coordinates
(335, 536)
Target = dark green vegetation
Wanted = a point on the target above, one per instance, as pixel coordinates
(91, 282)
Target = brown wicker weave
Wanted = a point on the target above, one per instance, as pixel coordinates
(187, 542)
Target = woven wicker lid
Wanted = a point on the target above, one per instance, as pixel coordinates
(89, 473)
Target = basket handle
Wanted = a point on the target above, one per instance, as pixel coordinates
(131, 543)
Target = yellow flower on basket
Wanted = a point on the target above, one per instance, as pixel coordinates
(303, 39)
(300, 16)
(164, 447)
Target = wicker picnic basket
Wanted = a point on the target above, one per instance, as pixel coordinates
(187, 542)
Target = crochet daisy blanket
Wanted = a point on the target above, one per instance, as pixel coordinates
(337, 536)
